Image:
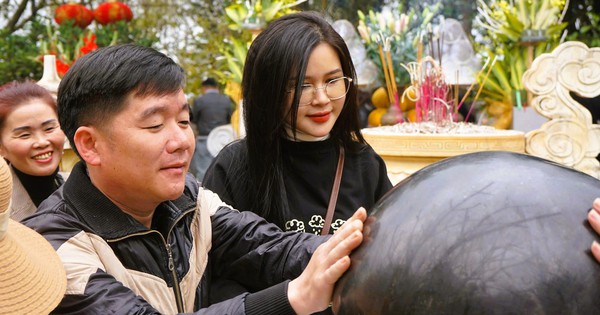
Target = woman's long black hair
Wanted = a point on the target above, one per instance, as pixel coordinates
(276, 62)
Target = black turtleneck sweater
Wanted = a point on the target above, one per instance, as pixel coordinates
(39, 187)
(309, 172)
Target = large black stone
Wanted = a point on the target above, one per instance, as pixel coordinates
(481, 233)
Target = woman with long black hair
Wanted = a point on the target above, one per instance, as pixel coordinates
(301, 117)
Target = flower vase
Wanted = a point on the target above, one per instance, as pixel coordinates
(50, 79)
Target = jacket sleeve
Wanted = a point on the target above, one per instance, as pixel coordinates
(272, 300)
(90, 290)
(248, 249)
(256, 253)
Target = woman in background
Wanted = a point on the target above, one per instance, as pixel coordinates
(302, 132)
(301, 113)
(31, 141)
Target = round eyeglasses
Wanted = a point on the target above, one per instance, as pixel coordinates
(334, 89)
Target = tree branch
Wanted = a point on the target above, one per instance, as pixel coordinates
(12, 23)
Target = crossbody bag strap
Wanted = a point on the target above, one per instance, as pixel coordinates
(334, 193)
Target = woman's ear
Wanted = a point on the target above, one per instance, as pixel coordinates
(86, 142)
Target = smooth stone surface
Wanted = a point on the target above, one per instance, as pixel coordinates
(482, 233)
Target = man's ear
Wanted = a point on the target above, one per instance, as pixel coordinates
(86, 140)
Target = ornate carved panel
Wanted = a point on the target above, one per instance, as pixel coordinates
(569, 137)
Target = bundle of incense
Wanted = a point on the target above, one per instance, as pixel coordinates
(431, 104)
(390, 78)
(386, 74)
(395, 104)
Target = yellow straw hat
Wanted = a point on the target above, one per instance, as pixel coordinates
(32, 278)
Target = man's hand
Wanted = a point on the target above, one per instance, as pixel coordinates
(594, 219)
(312, 290)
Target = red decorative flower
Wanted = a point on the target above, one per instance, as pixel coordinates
(111, 12)
(89, 44)
(61, 67)
(78, 13)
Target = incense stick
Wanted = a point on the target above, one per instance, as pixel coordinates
(386, 75)
(439, 44)
(420, 48)
(474, 82)
(430, 37)
(480, 88)
(394, 87)
(456, 91)
(391, 70)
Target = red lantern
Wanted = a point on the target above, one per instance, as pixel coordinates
(111, 12)
(79, 14)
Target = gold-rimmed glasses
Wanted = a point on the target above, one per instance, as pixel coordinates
(334, 89)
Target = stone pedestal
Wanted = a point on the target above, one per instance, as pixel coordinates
(405, 154)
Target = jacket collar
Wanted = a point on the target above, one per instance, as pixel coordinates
(21, 204)
(102, 215)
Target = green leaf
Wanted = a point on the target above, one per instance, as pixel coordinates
(267, 3)
(270, 12)
(237, 13)
(492, 87)
(510, 33)
(235, 69)
(361, 15)
(426, 19)
(556, 29)
(514, 23)
(500, 74)
(235, 27)
(522, 10)
(372, 17)
(514, 76)
(497, 96)
(519, 66)
(585, 28)
(239, 50)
